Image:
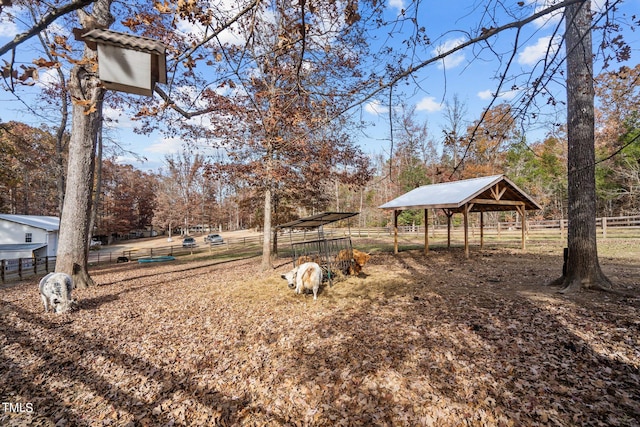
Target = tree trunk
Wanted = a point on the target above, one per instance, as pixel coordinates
(583, 268)
(266, 230)
(86, 91)
(60, 136)
(98, 180)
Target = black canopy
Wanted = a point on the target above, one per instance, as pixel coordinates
(318, 220)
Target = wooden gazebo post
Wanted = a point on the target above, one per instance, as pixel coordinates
(395, 230)
(449, 214)
(426, 231)
(481, 230)
(465, 212)
(523, 224)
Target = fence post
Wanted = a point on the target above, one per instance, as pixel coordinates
(604, 227)
(20, 268)
(2, 264)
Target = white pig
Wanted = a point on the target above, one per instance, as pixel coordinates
(55, 291)
(305, 276)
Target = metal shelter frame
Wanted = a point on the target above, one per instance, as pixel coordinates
(485, 194)
(322, 250)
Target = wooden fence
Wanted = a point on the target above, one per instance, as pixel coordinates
(24, 268)
(627, 226)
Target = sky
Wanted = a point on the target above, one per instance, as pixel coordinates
(468, 74)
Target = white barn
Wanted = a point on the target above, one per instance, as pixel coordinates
(28, 236)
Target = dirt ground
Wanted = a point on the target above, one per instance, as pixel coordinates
(414, 341)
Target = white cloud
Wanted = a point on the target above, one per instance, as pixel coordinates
(598, 5)
(128, 160)
(454, 59)
(507, 95)
(221, 10)
(198, 32)
(555, 17)
(534, 53)
(396, 4)
(116, 118)
(548, 20)
(57, 29)
(8, 29)
(376, 108)
(48, 77)
(165, 146)
(429, 104)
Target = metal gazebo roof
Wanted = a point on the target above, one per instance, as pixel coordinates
(490, 193)
(318, 220)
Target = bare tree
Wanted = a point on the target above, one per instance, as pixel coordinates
(186, 170)
(454, 129)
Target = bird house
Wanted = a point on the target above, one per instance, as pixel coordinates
(128, 63)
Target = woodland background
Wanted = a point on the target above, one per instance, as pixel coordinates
(195, 189)
(184, 194)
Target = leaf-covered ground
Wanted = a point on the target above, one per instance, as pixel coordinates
(416, 341)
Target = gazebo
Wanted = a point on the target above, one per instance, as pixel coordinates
(485, 194)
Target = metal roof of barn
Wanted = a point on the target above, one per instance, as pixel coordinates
(21, 247)
(48, 223)
(318, 220)
(490, 193)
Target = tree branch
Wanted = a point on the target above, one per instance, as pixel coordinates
(218, 30)
(44, 22)
(485, 35)
(171, 103)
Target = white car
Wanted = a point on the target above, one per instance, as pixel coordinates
(214, 239)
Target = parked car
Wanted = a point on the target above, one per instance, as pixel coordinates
(188, 242)
(214, 239)
(95, 244)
